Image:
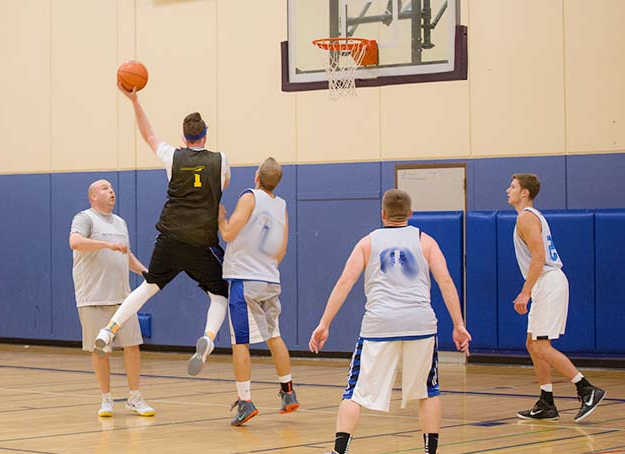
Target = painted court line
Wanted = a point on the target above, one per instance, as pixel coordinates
(262, 382)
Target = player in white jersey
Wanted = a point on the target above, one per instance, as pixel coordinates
(399, 321)
(547, 286)
(256, 234)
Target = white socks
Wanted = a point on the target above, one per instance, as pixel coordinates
(547, 388)
(216, 313)
(577, 378)
(243, 390)
(285, 378)
(134, 394)
(134, 301)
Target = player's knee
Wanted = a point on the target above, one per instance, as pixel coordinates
(540, 348)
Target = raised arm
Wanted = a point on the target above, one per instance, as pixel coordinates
(145, 128)
(438, 267)
(530, 231)
(230, 228)
(354, 267)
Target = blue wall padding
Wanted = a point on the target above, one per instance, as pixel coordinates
(573, 234)
(512, 326)
(26, 243)
(595, 181)
(481, 275)
(332, 206)
(610, 275)
(322, 250)
(446, 229)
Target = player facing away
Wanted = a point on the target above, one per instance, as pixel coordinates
(399, 322)
(257, 235)
(188, 225)
(547, 286)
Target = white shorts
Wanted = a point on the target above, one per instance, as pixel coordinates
(254, 310)
(94, 318)
(374, 366)
(550, 304)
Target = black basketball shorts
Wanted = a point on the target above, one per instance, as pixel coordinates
(202, 264)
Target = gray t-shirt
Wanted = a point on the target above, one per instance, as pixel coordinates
(100, 277)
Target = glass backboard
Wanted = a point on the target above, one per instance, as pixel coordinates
(414, 37)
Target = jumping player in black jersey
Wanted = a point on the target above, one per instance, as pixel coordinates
(188, 229)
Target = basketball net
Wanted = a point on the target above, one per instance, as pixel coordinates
(345, 57)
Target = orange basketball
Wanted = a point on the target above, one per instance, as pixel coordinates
(132, 74)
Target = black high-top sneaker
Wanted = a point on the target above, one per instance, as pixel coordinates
(590, 397)
(542, 410)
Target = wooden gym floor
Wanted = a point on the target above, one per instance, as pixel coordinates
(49, 399)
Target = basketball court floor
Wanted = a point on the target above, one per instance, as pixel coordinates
(49, 399)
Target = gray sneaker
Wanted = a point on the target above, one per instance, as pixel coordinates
(289, 401)
(203, 348)
(103, 342)
(245, 411)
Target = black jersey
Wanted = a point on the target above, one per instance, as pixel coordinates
(190, 213)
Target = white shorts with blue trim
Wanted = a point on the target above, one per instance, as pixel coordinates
(550, 305)
(374, 367)
(254, 310)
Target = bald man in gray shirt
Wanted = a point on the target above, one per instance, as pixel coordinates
(102, 260)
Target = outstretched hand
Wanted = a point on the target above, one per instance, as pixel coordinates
(461, 338)
(132, 95)
(318, 338)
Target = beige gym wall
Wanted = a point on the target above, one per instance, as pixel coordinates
(544, 78)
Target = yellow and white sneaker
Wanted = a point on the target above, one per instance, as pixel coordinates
(106, 408)
(136, 404)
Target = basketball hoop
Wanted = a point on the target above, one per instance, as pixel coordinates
(346, 55)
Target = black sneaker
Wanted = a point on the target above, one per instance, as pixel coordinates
(590, 398)
(542, 410)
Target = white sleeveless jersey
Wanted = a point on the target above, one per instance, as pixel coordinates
(397, 286)
(552, 259)
(252, 254)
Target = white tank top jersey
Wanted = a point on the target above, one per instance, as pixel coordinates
(552, 259)
(251, 255)
(397, 286)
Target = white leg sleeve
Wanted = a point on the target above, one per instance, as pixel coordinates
(134, 301)
(216, 312)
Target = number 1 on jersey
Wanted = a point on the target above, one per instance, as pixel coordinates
(197, 183)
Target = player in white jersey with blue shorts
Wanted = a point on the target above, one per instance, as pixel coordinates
(256, 234)
(548, 288)
(399, 322)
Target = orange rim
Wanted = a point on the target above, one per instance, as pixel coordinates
(341, 44)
